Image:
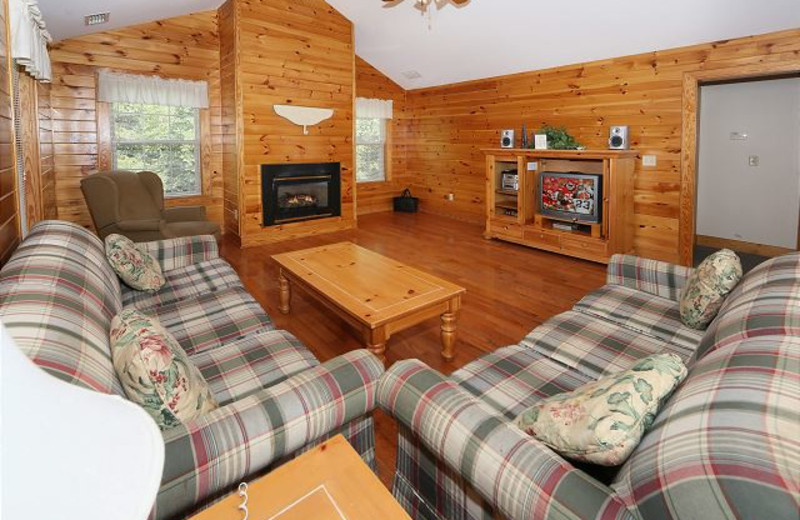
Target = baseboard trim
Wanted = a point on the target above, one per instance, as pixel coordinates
(743, 247)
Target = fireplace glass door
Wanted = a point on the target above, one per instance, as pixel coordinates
(298, 192)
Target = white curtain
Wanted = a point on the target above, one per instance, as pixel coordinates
(373, 108)
(114, 87)
(29, 38)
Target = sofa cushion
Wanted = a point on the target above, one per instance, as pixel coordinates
(183, 283)
(239, 368)
(511, 379)
(135, 267)
(707, 287)
(213, 319)
(726, 442)
(602, 422)
(766, 302)
(641, 312)
(593, 346)
(155, 371)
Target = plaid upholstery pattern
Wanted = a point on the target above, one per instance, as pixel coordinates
(237, 369)
(175, 253)
(641, 312)
(594, 347)
(184, 283)
(650, 276)
(514, 378)
(766, 302)
(519, 475)
(213, 453)
(57, 300)
(213, 319)
(726, 445)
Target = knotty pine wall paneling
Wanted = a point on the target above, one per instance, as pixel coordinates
(377, 196)
(290, 52)
(449, 125)
(47, 175)
(185, 47)
(232, 124)
(29, 125)
(9, 214)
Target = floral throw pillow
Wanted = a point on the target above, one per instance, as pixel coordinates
(603, 421)
(707, 287)
(155, 371)
(135, 267)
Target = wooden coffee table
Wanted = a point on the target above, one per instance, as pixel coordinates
(329, 482)
(378, 296)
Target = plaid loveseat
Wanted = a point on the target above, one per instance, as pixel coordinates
(726, 445)
(58, 296)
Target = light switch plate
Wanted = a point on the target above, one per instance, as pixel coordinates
(533, 166)
(649, 160)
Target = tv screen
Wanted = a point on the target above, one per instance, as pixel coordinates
(574, 197)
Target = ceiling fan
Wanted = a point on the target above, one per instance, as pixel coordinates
(423, 5)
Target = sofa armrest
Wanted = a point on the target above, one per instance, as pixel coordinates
(151, 224)
(185, 213)
(213, 453)
(174, 253)
(520, 477)
(651, 276)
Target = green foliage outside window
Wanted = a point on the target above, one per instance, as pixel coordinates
(370, 150)
(161, 139)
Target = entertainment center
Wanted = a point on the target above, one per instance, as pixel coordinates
(574, 202)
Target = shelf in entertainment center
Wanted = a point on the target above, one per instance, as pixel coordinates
(592, 241)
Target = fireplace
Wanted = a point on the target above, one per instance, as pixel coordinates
(298, 192)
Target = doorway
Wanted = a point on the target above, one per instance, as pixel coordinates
(748, 168)
(692, 83)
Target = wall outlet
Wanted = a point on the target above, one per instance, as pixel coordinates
(236, 214)
(450, 196)
(533, 166)
(752, 160)
(649, 160)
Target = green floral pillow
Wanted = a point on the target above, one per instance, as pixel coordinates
(602, 422)
(155, 371)
(706, 289)
(135, 267)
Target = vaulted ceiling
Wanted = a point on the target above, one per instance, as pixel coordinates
(489, 37)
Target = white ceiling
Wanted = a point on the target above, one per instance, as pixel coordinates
(488, 37)
(494, 37)
(64, 18)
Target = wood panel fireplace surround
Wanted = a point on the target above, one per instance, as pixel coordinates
(300, 192)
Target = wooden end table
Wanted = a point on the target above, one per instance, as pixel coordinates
(329, 482)
(376, 295)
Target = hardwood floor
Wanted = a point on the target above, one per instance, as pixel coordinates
(510, 290)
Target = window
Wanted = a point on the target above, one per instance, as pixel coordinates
(370, 150)
(163, 139)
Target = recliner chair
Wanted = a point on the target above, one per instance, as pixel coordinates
(132, 204)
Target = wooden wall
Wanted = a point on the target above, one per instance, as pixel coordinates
(291, 52)
(47, 172)
(231, 116)
(450, 125)
(9, 216)
(185, 47)
(377, 196)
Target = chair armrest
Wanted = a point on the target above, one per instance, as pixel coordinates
(520, 477)
(174, 253)
(213, 453)
(140, 225)
(650, 276)
(185, 213)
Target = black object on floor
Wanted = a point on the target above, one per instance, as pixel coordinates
(749, 261)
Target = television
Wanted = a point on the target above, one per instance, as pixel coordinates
(573, 197)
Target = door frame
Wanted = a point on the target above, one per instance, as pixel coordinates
(692, 81)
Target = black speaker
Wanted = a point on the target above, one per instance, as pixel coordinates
(618, 138)
(506, 139)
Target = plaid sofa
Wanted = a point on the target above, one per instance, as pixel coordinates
(726, 445)
(58, 296)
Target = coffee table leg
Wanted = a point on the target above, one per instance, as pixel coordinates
(376, 342)
(286, 293)
(448, 335)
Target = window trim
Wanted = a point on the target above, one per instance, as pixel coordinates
(387, 151)
(198, 142)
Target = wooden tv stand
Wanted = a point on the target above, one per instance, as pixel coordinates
(514, 215)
